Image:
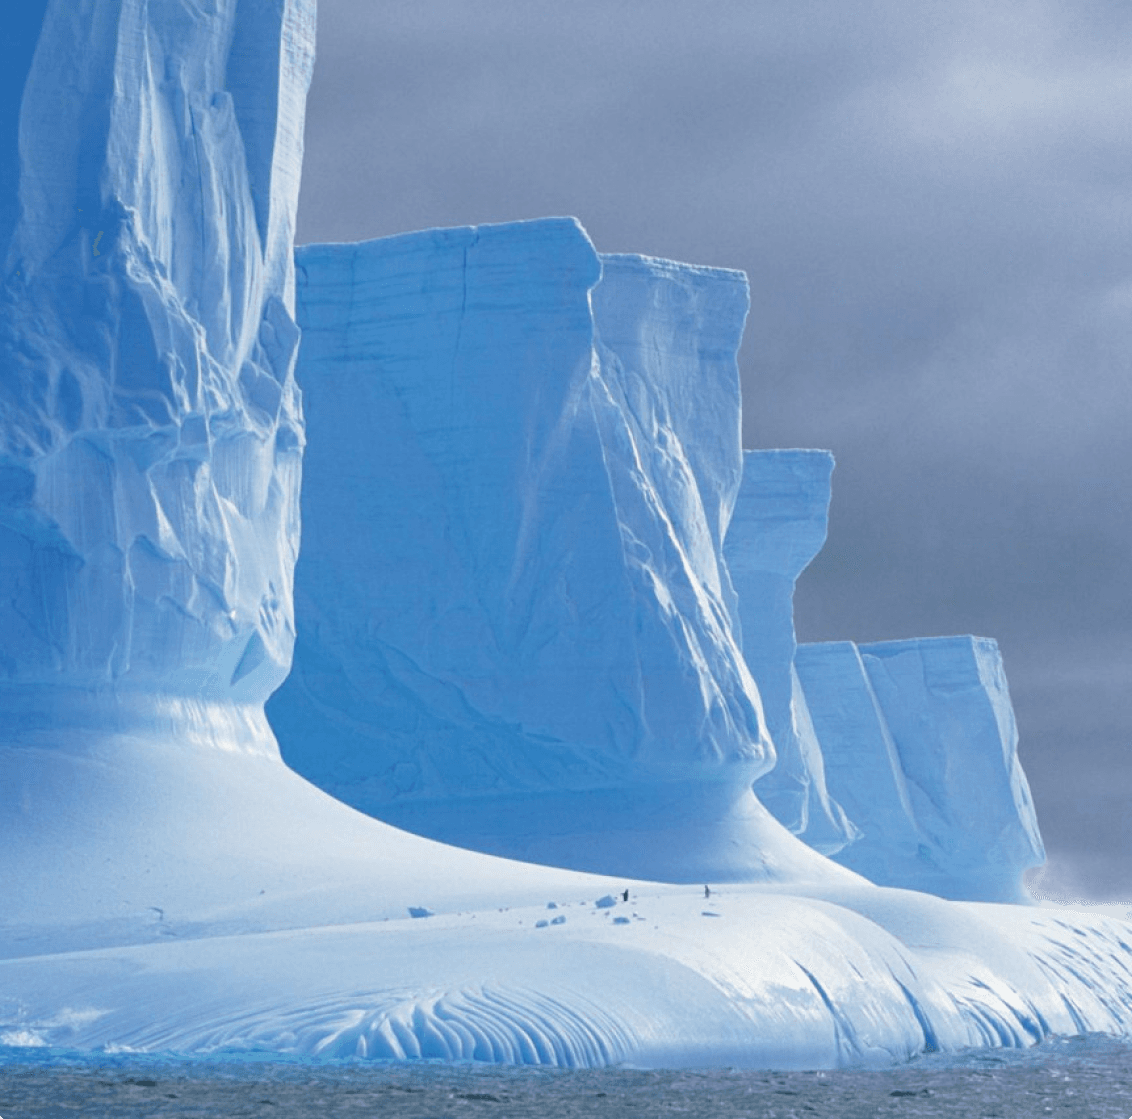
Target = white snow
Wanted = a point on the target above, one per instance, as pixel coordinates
(201, 900)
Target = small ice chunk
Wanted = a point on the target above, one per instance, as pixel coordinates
(559, 920)
(419, 911)
(541, 924)
(606, 902)
(620, 920)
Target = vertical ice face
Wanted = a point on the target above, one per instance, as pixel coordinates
(514, 622)
(778, 526)
(920, 747)
(150, 429)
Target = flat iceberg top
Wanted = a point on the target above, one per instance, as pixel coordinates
(531, 230)
(657, 265)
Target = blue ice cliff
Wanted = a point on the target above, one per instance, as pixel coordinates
(151, 437)
(514, 615)
(150, 446)
(525, 507)
(898, 759)
(168, 883)
(920, 747)
(778, 526)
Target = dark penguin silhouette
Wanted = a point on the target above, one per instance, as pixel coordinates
(625, 896)
(707, 891)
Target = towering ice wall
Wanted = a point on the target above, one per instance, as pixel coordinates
(898, 759)
(514, 623)
(150, 428)
(778, 526)
(920, 747)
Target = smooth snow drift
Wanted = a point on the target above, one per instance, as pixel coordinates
(167, 883)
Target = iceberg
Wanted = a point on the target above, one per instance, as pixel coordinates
(514, 616)
(151, 443)
(920, 746)
(169, 884)
(898, 759)
(778, 526)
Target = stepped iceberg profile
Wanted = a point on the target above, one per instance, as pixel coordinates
(898, 759)
(556, 631)
(514, 615)
(778, 526)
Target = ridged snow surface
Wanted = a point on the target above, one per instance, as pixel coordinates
(514, 622)
(778, 526)
(920, 747)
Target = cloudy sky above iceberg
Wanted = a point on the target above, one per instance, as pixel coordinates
(932, 203)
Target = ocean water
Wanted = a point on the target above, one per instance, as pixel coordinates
(1082, 1077)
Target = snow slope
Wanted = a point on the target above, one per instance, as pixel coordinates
(270, 918)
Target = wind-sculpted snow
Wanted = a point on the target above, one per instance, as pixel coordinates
(920, 747)
(514, 619)
(778, 526)
(861, 976)
(150, 429)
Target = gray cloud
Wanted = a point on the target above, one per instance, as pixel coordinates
(931, 203)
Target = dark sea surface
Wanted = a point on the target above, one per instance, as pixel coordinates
(1085, 1077)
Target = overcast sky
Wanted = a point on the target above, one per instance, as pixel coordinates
(932, 203)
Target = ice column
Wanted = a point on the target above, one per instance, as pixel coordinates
(778, 526)
(514, 623)
(920, 746)
(150, 428)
